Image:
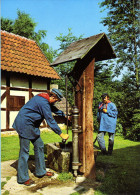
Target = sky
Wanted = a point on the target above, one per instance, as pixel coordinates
(56, 16)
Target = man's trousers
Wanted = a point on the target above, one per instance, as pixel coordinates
(40, 168)
(101, 141)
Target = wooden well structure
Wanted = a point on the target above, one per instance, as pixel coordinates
(86, 52)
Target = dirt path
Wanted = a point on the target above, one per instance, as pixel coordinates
(42, 186)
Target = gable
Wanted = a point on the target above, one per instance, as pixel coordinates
(97, 46)
(22, 55)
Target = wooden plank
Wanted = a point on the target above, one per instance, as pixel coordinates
(3, 87)
(15, 103)
(84, 101)
(80, 103)
(7, 99)
(89, 86)
(3, 109)
(3, 96)
(10, 129)
(24, 89)
(30, 88)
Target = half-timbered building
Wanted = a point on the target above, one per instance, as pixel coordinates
(25, 71)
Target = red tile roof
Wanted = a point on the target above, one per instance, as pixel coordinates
(19, 54)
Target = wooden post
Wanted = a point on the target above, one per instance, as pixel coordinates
(30, 88)
(7, 100)
(84, 101)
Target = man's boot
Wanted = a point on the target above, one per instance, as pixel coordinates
(104, 152)
(110, 147)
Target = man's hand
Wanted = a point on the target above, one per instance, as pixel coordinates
(70, 118)
(64, 136)
(104, 110)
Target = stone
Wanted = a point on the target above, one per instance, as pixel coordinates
(57, 159)
(80, 179)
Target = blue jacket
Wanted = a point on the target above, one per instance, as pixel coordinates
(107, 120)
(32, 114)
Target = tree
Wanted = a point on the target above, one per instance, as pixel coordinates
(6, 24)
(129, 109)
(24, 25)
(123, 27)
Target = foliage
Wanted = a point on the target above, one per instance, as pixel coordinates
(123, 26)
(65, 176)
(6, 192)
(2, 184)
(119, 129)
(134, 133)
(6, 24)
(129, 108)
(75, 193)
(24, 26)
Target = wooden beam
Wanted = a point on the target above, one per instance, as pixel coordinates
(48, 84)
(10, 129)
(84, 101)
(3, 109)
(30, 88)
(3, 96)
(23, 89)
(7, 99)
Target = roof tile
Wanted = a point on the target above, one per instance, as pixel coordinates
(19, 54)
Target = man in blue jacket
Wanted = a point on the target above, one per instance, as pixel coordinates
(27, 124)
(107, 117)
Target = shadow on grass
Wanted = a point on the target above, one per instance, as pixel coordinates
(118, 174)
(31, 164)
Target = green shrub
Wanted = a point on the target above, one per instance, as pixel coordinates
(6, 193)
(119, 129)
(2, 184)
(65, 176)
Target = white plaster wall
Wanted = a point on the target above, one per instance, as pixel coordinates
(39, 84)
(35, 93)
(18, 81)
(3, 104)
(22, 82)
(3, 119)
(3, 79)
(13, 115)
(53, 86)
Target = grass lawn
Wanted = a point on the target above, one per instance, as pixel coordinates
(118, 174)
(10, 144)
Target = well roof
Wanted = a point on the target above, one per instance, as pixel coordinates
(98, 46)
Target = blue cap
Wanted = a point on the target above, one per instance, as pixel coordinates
(57, 92)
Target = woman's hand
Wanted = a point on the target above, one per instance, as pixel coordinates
(104, 110)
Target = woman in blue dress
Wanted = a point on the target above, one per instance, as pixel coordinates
(107, 117)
